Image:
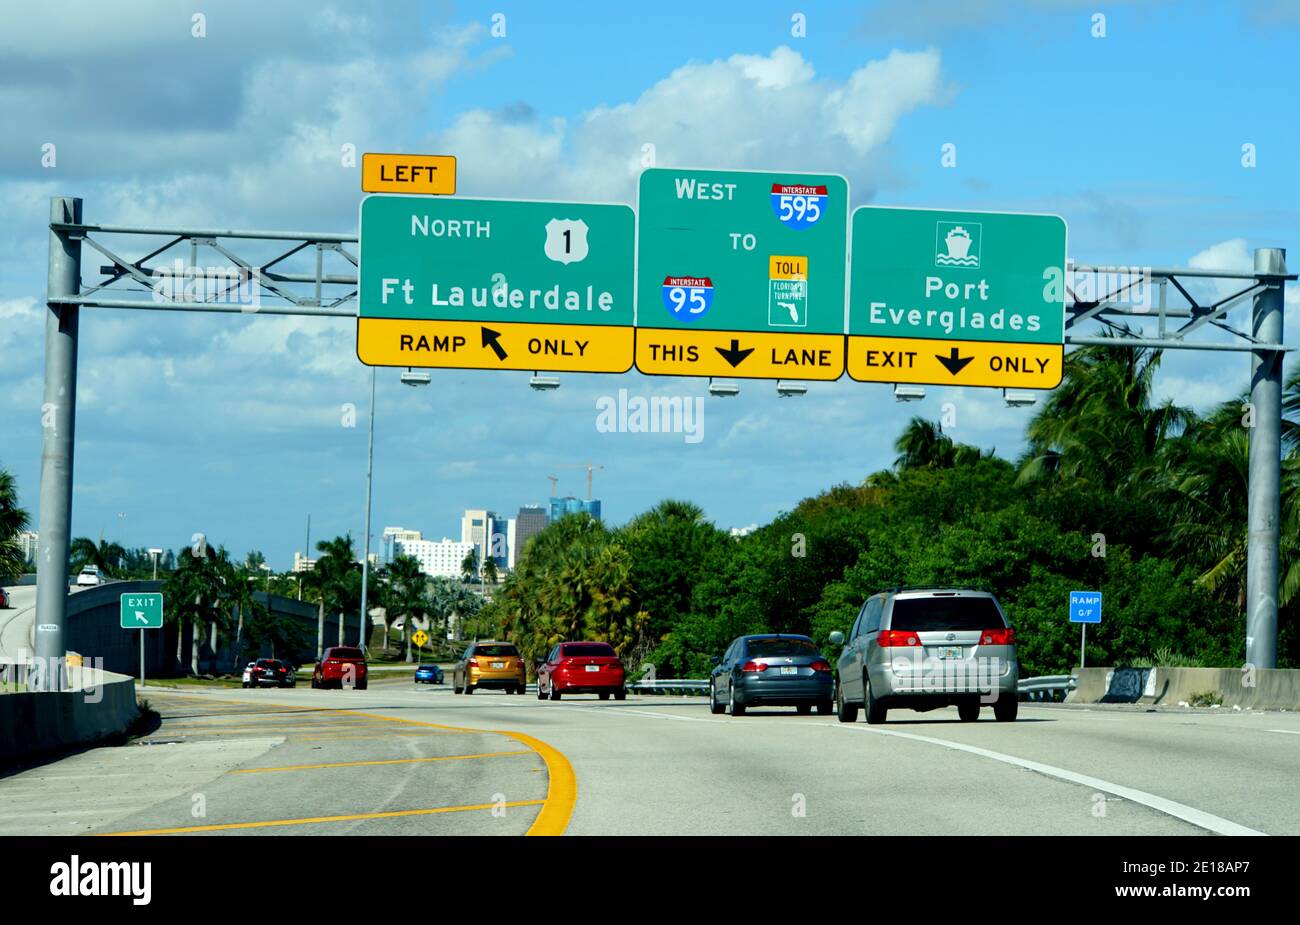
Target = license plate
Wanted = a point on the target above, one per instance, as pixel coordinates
(950, 652)
(789, 669)
(593, 668)
(498, 664)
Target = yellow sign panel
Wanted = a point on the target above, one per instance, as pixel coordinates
(420, 637)
(429, 174)
(925, 361)
(564, 348)
(787, 267)
(739, 354)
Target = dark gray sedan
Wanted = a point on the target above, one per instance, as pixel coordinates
(773, 670)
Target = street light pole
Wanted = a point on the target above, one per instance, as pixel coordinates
(365, 556)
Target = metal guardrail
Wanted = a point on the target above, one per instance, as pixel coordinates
(670, 685)
(1046, 686)
(1040, 688)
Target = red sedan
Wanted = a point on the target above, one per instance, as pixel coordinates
(581, 668)
(341, 666)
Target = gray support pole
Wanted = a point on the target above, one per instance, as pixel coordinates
(58, 421)
(365, 556)
(1264, 504)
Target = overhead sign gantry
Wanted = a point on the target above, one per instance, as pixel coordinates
(741, 273)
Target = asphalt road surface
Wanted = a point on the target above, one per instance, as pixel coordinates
(414, 759)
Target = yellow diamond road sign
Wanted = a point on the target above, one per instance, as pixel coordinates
(420, 637)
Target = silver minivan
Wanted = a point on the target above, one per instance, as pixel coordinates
(926, 648)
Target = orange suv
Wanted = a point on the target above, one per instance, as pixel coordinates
(489, 664)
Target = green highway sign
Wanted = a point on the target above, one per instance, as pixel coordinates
(957, 298)
(142, 610)
(495, 284)
(741, 273)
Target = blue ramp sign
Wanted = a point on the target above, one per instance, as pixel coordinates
(1085, 606)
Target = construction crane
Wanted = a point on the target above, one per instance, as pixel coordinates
(554, 481)
(589, 467)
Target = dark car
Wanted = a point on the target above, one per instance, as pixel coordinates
(341, 666)
(771, 671)
(268, 672)
(428, 674)
(581, 668)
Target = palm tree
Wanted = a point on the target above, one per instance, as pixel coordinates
(196, 594)
(490, 570)
(469, 566)
(336, 579)
(13, 520)
(924, 445)
(107, 557)
(407, 596)
(1099, 425)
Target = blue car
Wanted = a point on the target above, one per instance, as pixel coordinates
(428, 674)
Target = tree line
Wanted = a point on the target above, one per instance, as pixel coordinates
(1140, 499)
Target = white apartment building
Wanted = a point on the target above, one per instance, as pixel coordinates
(302, 564)
(394, 535)
(30, 543)
(437, 559)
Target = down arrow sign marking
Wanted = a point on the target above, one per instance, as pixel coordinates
(952, 362)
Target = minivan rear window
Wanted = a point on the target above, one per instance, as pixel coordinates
(345, 652)
(921, 614)
(765, 648)
(587, 649)
(497, 650)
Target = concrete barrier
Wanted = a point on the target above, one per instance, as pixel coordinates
(102, 705)
(1262, 689)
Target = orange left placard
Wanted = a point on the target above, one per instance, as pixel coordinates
(427, 174)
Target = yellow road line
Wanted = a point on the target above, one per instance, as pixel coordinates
(561, 786)
(562, 783)
(190, 730)
(359, 764)
(396, 735)
(353, 817)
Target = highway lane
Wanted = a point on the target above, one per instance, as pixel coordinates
(653, 765)
(16, 622)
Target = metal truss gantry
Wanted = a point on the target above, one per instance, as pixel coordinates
(311, 291)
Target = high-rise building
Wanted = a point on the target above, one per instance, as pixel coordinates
(530, 521)
(437, 559)
(302, 563)
(394, 535)
(572, 505)
(30, 543)
(486, 530)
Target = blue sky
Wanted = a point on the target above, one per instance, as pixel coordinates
(230, 425)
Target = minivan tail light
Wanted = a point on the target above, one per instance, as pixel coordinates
(1004, 636)
(889, 638)
(821, 665)
(753, 666)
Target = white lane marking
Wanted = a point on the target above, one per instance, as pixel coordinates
(1196, 817)
(1286, 732)
(684, 719)
(1189, 814)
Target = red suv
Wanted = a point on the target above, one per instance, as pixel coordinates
(581, 668)
(341, 666)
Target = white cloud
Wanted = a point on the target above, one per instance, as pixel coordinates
(761, 110)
